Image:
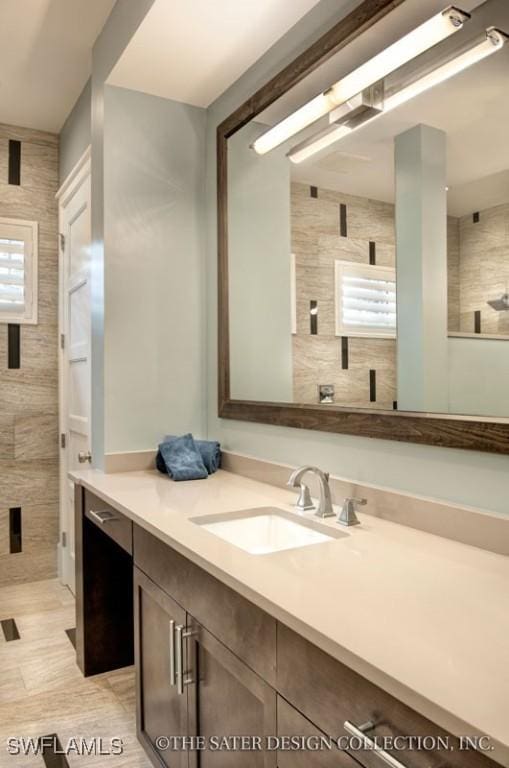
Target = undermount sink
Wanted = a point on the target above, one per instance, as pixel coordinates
(266, 529)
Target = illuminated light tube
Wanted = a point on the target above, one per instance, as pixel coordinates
(307, 115)
(420, 39)
(322, 140)
(493, 42)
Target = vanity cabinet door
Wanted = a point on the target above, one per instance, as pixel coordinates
(161, 711)
(226, 698)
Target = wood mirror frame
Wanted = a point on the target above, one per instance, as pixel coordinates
(452, 431)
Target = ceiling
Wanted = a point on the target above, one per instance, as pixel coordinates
(46, 57)
(191, 52)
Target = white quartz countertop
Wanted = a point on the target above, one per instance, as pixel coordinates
(425, 618)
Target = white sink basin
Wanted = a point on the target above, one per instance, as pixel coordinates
(267, 529)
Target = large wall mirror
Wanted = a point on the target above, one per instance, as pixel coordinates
(364, 231)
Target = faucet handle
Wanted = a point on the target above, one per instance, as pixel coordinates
(347, 515)
(304, 501)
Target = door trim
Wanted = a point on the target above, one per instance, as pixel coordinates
(79, 174)
(68, 182)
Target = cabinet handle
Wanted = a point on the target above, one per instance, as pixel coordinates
(102, 517)
(173, 678)
(359, 732)
(182, 680)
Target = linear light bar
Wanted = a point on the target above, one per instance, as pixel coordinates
(420, 39)
(491, 43)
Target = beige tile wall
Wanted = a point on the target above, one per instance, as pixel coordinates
(29, 396)
(453, 273)
(317, 244)
(484, 269)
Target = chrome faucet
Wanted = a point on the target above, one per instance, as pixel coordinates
(325, 505)
(347, 515)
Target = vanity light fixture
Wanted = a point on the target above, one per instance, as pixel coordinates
(420, 39)
(493, 41)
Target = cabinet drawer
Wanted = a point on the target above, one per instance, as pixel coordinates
(291, 723)
(328, 693)
(243, 627)
(112, 523)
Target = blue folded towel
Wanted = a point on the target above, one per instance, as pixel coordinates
(182, 459)
(209, 450)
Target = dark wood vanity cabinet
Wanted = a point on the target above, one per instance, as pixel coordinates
(161, 711)
(221, 695)
(331, 694)
(104, 592)
(226, 698)
(241, 665)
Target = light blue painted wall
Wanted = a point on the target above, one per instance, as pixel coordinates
(259, 274)
(75, 135)
(479, 376)
(154, 177)
(420, 160)
(148, 302)
(121, 25)
(477, 479)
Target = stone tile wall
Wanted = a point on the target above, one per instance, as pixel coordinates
(368, 236)
(29, 395)
(327, 226)
(483, 270)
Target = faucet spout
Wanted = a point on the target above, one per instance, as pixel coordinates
(325, 506)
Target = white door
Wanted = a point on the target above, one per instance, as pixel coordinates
(75, 329)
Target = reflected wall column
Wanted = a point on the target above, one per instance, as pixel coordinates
(421, 248)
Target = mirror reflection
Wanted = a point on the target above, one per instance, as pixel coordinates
(368, 228)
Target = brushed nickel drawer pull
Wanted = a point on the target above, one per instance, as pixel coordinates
(359, 732)
(182, 680)
(173, 677)
(103, 517)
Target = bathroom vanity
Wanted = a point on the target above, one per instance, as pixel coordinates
(228, 643)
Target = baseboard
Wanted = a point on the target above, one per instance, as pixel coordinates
(129, 461)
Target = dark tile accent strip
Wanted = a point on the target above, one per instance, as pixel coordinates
(71, 634)
(477, 321)
(394, 405)
(344, 352)
(15, 532)
(476, 217)
(13, 346)
(372, 252)
(313, 318)
(51, 751)
(14, 162)
(9, 629)
(342, 220)
(313, 191)
(372, 386)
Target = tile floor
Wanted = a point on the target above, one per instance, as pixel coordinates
(43, 692)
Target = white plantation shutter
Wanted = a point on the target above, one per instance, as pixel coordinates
(18, 271)
(365, 300)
